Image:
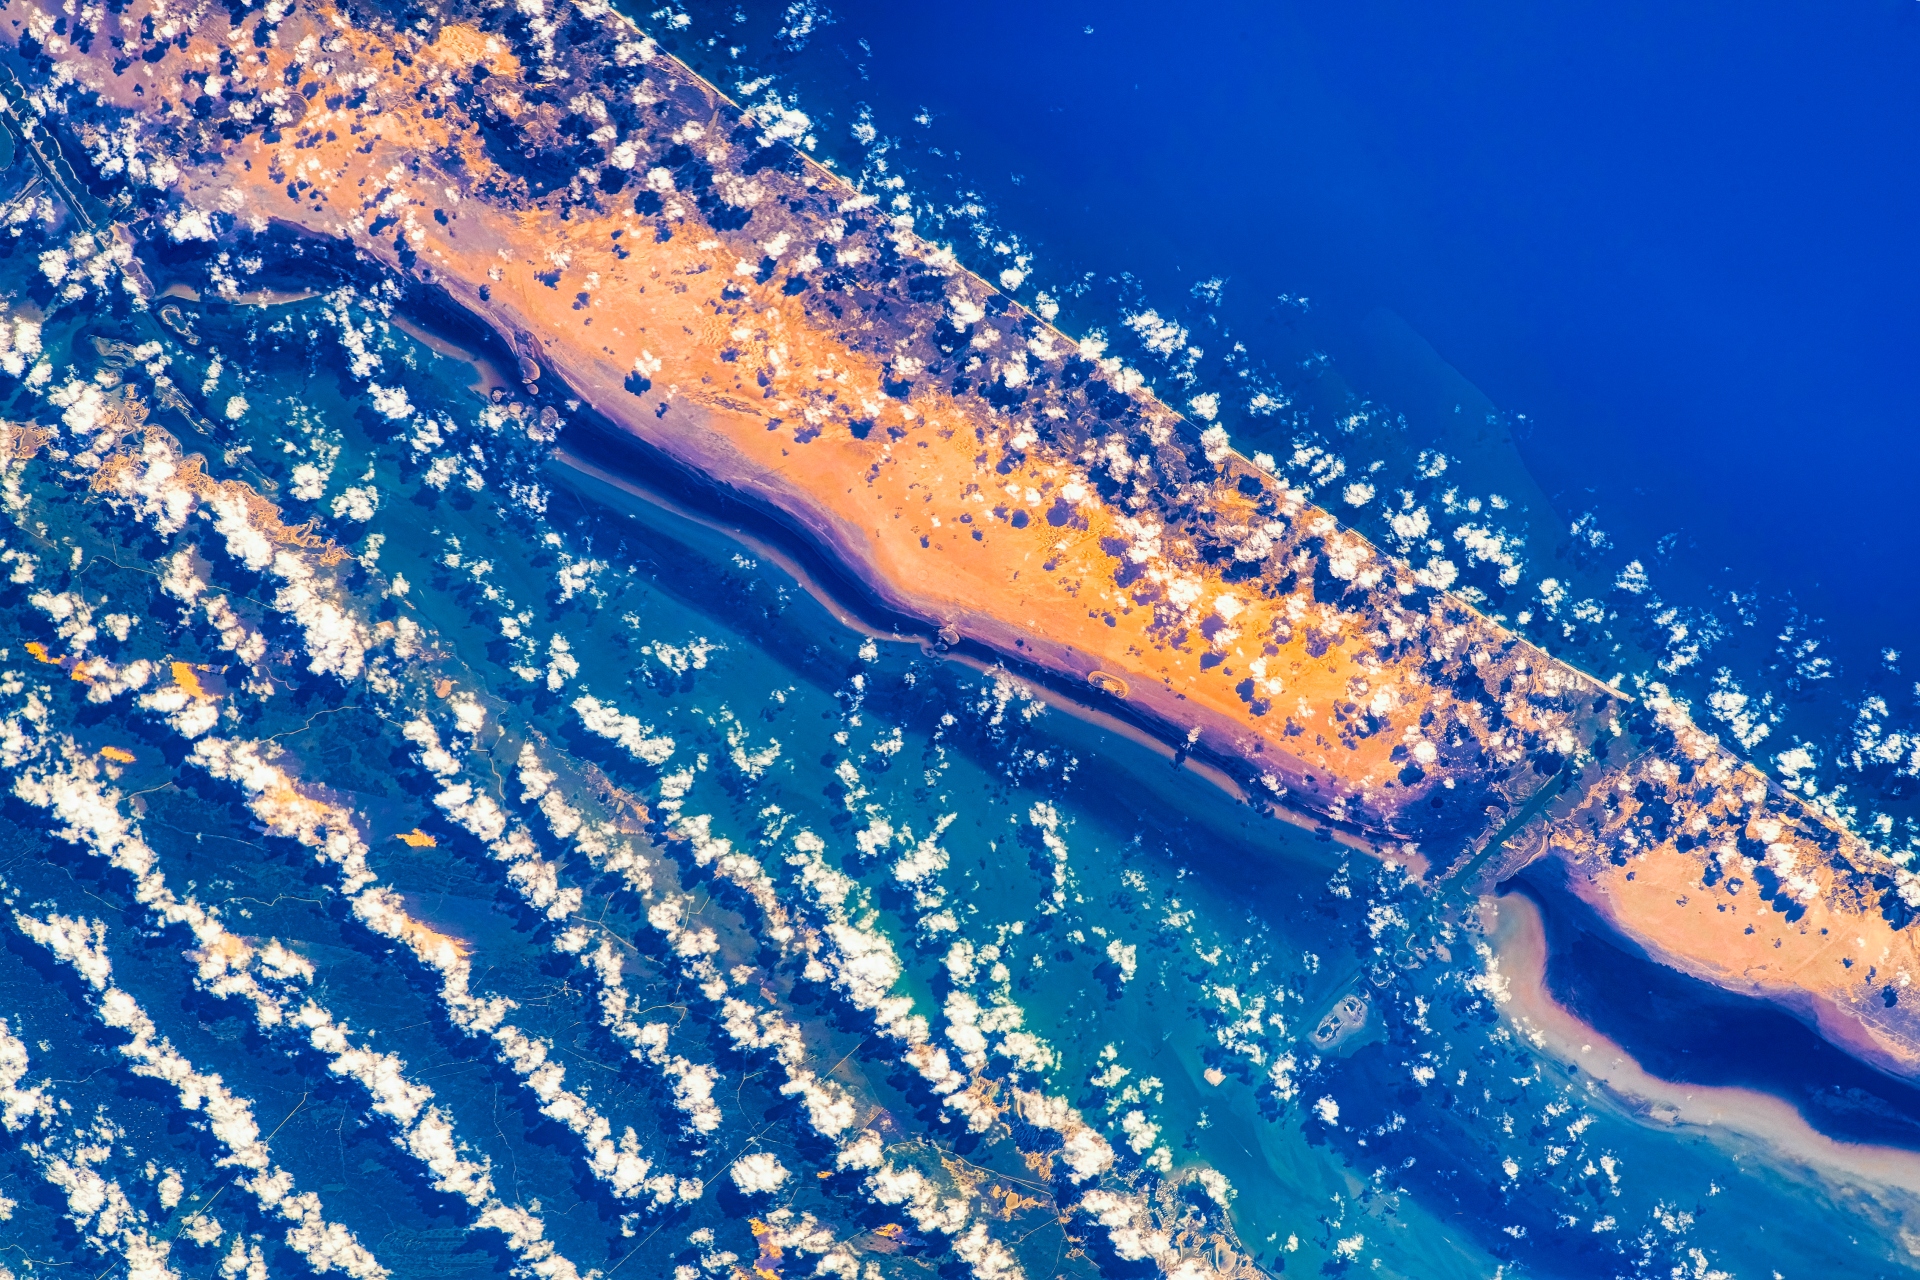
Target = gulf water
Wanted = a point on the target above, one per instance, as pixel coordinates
(1442, 1141)
(1438, 1143)
(1641, 271)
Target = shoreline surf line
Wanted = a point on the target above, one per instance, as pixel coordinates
(1724, 1114)
(1050, 683)
(548, 326)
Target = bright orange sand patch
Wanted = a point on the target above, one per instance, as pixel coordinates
(945, 507)
(1318, 678)
(188, 679)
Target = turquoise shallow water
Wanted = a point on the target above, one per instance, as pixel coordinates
(425, 856)
(1168, 954)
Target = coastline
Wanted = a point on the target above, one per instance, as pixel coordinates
(1052, 689)
(936, 442)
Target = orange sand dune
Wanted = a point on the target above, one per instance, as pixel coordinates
(761, 325)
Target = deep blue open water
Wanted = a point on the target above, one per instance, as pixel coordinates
(1644, 270)
(1676, 238)
(1644, 275)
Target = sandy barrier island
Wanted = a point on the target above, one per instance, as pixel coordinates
(1739, 1119)
(674, 265)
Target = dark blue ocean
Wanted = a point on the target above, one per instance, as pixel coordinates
(1677, 238)
(1646, 270)
(536, 808)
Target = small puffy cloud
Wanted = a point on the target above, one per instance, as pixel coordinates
(1439, 574)
(1215, 1184)
(1795, 762)
(759, 1174)
(309, 483)
(966, 312)
(391, 402)
(190, 224)
(1214, 443)
(357, 503)
(632, 736)
(1123, 958)
(1163, 337)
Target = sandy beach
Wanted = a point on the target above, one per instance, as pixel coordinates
(758, 324)
(1737, 1118)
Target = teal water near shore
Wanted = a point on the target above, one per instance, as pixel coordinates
(1169, 953)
